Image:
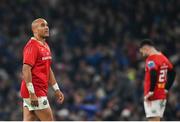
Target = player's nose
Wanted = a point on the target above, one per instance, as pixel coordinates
(46, 28)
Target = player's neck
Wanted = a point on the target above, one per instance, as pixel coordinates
(39, 39)
(154, 52)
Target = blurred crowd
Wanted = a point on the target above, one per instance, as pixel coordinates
(95, 54)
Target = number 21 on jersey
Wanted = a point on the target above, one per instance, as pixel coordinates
(162, 75)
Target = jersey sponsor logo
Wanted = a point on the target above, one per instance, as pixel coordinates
(164, 66)
(41, 49)
(151, 64)
(46, 58)
(161, 85)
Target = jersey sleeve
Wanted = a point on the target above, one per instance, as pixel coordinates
(170, 66)
(30, 55)
(151, 64)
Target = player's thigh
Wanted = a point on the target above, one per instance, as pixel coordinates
(44, 114)
(28, 115)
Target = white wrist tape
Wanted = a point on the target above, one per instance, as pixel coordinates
(151, 93)
(55, 87)
(30, 87)
(166, 90)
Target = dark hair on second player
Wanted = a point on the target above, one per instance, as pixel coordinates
(146, 42)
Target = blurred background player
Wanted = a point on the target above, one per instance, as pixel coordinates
(37, 74)
(159, 77)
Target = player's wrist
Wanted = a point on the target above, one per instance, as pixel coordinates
(32, 95)
(166, 91)
(151, 92)
(30, 88)
(55, 87)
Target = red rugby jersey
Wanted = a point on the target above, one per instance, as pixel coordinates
(161, 64)
(39, 57)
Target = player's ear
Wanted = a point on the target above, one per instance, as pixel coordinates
(34, 30)
(34, 26)
(146, 49)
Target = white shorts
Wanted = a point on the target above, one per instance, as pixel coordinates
(43, 103)
(155, 108)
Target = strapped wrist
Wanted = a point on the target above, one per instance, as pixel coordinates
(151, 92)
(166, 90)
(55, 87)
(30, 87)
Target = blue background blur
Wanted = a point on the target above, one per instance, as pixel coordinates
(95, 54)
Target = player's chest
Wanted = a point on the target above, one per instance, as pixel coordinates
(44, 54)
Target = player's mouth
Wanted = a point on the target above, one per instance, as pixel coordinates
(47, 32)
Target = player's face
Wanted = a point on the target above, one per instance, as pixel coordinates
(144, 51)
(43, 29)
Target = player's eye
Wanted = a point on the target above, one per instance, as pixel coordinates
(42, 25)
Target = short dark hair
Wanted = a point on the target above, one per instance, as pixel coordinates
(146, 42)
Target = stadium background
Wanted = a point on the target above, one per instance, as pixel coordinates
(95, 54)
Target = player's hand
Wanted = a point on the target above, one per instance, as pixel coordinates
(59, 96)
(166, 92)
(147, 97)
(33, 99)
